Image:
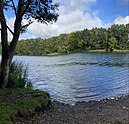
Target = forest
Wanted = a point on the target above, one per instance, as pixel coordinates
(115, 37)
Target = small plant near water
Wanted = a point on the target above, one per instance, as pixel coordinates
(18, 77)
(19, 99)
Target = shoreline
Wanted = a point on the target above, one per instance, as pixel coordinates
(83, 51)
(106, 111)
(98, 100)
(89, 51)
(27, 106)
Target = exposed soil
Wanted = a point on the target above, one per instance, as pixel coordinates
(108, 111)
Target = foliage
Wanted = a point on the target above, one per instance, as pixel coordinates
(44, 11)
(115, 37)
(26, 103)
(112, 43)
(18, 77)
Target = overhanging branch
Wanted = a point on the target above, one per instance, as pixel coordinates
(15, 11)
(26, 7)
(6, 25)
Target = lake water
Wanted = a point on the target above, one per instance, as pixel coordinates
(80, 76)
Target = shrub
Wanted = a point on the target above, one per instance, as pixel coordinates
(18, 77)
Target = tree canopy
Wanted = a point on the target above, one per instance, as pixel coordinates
(115, 37)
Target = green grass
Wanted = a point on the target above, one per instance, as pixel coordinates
(89, 51)
(5, 92)
(103, 51)
(7, 114)
(120, 51)
(28, 103)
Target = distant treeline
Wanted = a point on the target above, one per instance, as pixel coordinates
(116, 37)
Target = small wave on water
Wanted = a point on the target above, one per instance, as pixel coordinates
(89, 64)
(80, 77)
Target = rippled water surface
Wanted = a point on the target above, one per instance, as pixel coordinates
(81, 76)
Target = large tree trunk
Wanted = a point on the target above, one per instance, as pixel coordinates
(5, 67)
(8, 50)
(4, 70)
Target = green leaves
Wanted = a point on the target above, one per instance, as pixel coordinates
(18, 77)
(112, 43)
(43, 11)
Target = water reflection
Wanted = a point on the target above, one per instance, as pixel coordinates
(80, 77)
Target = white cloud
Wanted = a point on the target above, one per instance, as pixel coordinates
(71, 18)
(72, 21)
(122, 20)
(107, 25)
(10, 23)
(72, 5)
(119, 20)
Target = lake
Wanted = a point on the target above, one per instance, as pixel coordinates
(79, 77)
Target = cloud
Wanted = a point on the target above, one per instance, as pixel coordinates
(10, 23)
(77, 4)
(107, 25)
(73, 15)
(66, 23)
(71, 18)
(119, 20)
(122, 20)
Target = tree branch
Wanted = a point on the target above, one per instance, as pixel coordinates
(15, 11)
(26, 7)
(17, 25)
(6, 25)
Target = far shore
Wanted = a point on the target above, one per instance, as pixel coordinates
(89, 51)
(78, 51)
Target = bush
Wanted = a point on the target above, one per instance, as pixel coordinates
(18, 77)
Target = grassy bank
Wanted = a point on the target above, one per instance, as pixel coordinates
(21, 103)
(78, 51)
(103, 51)
(89, 51)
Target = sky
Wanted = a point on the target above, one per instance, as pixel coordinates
(75, 15)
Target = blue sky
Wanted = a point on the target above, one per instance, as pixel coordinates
(78, 15)
(110, 9)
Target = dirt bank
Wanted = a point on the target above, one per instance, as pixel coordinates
(108, 111)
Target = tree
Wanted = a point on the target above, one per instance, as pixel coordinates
(112, 43)
(43, 11)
